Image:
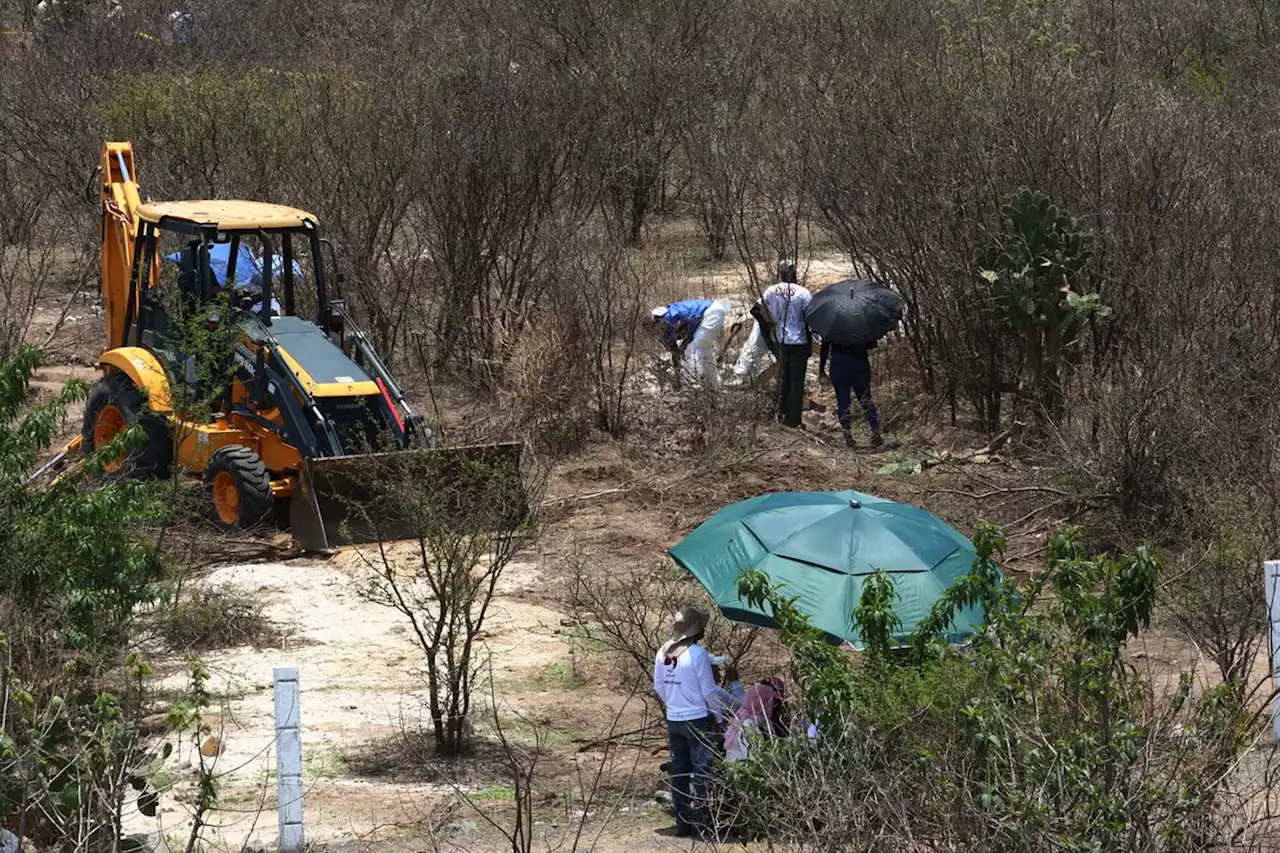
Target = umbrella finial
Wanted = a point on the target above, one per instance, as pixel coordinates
(855, 504)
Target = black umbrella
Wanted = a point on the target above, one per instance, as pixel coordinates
(854, 313)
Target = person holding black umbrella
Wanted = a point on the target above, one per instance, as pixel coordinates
(851, 317)
(851, 377)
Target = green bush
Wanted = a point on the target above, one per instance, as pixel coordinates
(75, 566)
(1035, 269)
(1037, 736)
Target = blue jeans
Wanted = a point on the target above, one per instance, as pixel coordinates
(691, 759)
(851, 376)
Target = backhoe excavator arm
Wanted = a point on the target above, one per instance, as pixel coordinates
(120, 204)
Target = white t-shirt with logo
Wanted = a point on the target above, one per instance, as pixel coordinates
(685, 683)
(787, 302)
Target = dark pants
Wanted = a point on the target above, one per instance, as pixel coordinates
(691, 759)
(851, 376)
(792, 361)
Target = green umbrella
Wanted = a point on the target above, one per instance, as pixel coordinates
(819, 546)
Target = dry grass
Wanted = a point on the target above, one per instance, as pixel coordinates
(206, 619)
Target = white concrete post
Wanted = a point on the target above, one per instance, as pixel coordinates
(288, 760)
(1271, 573)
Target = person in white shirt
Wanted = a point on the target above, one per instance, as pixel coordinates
(683, 680)
(786, 302)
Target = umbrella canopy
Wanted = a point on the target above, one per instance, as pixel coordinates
(854, 313)
(819, 547)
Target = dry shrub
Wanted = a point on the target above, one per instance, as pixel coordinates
(624, 617)
(546, 389)
(613, 294)
(728, 419)
(208, 618)
(1215, 597)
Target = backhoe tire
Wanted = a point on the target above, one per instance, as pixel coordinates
(239, 488)
(115, 402)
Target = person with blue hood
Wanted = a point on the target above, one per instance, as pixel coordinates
(246, 261)
(690, 330)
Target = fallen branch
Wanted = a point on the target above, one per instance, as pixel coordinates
(1015, 490)
(981, 455)
(1003, 438)
(1037, 511)
(66, 312)
(617, 739)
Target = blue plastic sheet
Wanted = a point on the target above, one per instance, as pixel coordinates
(248, 266)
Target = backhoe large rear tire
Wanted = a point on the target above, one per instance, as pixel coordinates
(239, 488)
(114, 403)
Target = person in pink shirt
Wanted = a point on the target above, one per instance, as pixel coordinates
(762, 713)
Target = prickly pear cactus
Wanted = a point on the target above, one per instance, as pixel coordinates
(1036, 271)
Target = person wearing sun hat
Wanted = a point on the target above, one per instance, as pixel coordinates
(683, 680)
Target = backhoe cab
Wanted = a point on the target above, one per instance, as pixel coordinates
(229, 343)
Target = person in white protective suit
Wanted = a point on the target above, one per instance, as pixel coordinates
(751, 358)
(690, 329)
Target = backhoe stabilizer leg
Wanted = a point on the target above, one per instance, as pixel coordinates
(58, 462)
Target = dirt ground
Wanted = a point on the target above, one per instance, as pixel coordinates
(369, 777)
(361, 706)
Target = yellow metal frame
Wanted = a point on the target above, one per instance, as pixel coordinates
(144, 370)
(195, 442)
(328, 389)
(227, 214)
(120, 203)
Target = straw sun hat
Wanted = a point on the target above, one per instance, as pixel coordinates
(689, 624)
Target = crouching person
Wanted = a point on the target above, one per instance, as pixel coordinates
(762, 714)
(690, 330)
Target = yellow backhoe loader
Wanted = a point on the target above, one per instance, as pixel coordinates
(307, 423)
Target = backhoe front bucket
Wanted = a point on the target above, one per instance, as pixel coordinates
(382, 497)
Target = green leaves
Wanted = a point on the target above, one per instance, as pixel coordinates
(1086, 305)
(1031, 276)
(71, 552)
(1035, 736)
(875, 616)
(75, 566)
(1135, 588)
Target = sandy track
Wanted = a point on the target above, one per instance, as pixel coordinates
(360, 694)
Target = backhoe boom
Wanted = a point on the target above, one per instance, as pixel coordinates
(120, 203)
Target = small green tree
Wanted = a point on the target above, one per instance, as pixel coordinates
(76, 563)
(1035, 269)
(73, 563)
